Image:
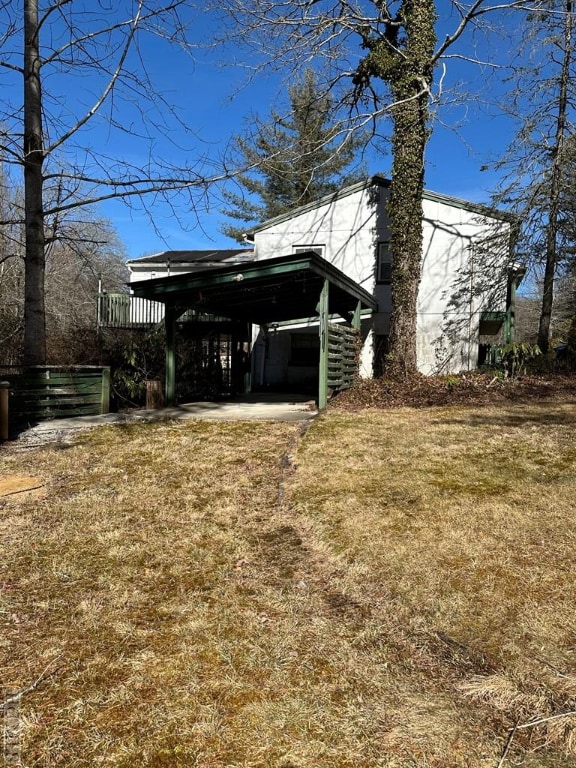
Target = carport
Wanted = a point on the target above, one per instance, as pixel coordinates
(295, 287)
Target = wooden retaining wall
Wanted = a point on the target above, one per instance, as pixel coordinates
(47, 392)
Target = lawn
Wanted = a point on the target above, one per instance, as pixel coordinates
(392, 589)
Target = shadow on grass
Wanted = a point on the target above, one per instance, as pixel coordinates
(506, 418)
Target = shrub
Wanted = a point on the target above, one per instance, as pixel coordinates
(512, 359)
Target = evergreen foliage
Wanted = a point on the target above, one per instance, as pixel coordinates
(291, 160)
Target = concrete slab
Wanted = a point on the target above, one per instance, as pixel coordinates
(260, 407)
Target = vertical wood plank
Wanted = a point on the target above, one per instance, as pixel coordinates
(105, 406)
(4, 395)
(323, 329)
(170, 325)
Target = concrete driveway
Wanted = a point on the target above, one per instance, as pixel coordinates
(260, 407)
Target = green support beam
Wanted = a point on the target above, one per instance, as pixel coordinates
(170, 325)
(357, 318)
(323, 330)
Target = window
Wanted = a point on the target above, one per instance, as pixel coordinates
(319, 249)
(384, 264)
(304, 348)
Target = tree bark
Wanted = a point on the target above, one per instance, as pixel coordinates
(404, 58)
(410, 81)
(34, 309)
(555, 190)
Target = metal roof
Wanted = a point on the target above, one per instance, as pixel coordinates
(197, 257)
(260, 292)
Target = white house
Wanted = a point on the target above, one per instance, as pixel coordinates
(467, 258)
(466, 292)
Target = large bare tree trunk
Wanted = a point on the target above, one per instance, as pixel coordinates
(555, 189)
(405, 216)
(403, 57)
(34, 311)
(409, 78)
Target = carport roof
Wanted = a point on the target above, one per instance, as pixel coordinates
(260, 292)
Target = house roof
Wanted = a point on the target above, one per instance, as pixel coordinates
(199, 258)
(381, 181)
(260, 292)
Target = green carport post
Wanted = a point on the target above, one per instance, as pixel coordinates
(170, 325)
(357, 318)
(323, 330)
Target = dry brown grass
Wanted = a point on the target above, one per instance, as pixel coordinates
(455, 530)
(405, 601)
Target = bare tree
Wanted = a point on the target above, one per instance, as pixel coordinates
(11, 274)
(379, 58)
(81, 66)
(540, 163)
(85, 253)
(567, 49)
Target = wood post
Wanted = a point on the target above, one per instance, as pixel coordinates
(105, 406)
(4, 393)
(154, 395)
(323, 330)
(170, 325)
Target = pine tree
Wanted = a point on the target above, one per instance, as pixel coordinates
(291, 160)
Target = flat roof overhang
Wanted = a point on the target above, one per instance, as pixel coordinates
(260, 292)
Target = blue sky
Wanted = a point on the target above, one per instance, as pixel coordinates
(215, 99)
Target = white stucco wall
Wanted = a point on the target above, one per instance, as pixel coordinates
(456, 270)
(346, 228)
(464, 271)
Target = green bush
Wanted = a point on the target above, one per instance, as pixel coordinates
(512, 359)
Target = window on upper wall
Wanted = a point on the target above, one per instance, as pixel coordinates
(319, 249)
(384, 264)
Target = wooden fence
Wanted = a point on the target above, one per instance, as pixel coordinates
(39, 393)
(342, 356)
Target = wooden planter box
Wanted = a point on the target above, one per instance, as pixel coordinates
(49, 392)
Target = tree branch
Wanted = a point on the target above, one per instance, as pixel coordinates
(32, 687)
(476, 9)
(109, 87)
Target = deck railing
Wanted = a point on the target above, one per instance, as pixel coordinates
(125, 311)
(122, 310)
